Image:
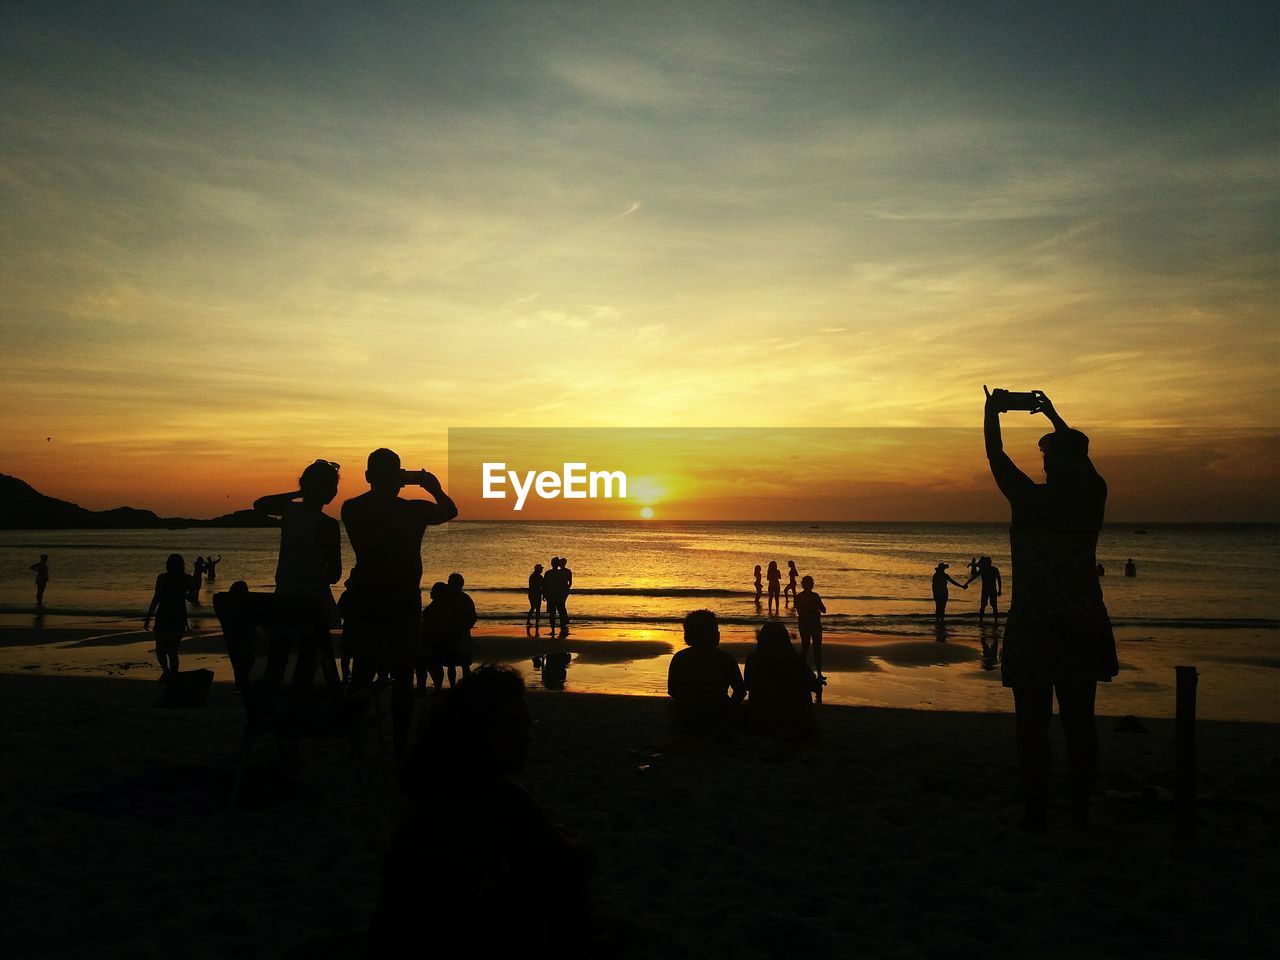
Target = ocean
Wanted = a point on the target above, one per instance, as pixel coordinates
(1202, 591)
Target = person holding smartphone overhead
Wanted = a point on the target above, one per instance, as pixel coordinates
(1057, 636)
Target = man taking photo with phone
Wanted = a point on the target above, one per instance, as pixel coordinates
(382, 603)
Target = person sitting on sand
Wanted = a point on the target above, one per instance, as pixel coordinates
(434, 651)
(780, 686)
(703, 681)
(809, 611)
(992, 587)
(462, 617)
(759, 585)
(1057, 636)
(382, 605)
(535, 599)
(169, 607)
(211, 567)
(774, 576)
(41, 570)
(940, 594)
(516, 884)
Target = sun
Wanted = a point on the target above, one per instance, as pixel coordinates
(647, 513)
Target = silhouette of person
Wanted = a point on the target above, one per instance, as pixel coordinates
(774, 576)
(566, 586)
(792, 573)
(535, 600)
(436, 648)
(41, 570)
(940, 593)
(759, 585)
(1130, 568)
(1057, 635)
(809, 611)
(991, 588)
(444, 888)
(211, 567)
(197, 580)
(462, 617)
(308, 564)
(169, 608)
(555, 587)
(381, 605)
(703, 681)
(310, 559)
(779, 686)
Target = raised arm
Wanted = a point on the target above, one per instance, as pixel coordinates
(1011, 481)
(276, 504)
(1045, 406)
(444, 509)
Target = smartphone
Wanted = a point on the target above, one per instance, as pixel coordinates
(1015, 400)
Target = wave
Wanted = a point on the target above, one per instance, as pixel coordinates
(837, 622)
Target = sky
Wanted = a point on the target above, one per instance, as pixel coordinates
(238, 237)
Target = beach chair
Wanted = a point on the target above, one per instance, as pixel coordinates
(282, 658)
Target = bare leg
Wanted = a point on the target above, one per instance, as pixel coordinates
(1075, 711)
(1033, 708)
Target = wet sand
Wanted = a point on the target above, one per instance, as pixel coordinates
(893, 837)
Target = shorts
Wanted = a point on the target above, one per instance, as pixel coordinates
(167, 642)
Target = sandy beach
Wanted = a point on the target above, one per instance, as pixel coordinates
(894, 836)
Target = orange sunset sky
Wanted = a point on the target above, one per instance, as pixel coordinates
(237, 237)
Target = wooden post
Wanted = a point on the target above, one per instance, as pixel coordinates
(1184, 833)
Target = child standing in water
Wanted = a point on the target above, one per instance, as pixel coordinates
(809, 611)
(169, 607)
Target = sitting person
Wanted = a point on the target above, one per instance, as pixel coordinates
(703, 681)
(515, 884)
(779, 686)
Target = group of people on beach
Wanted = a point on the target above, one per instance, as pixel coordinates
(980, 568)
(1057, 637)
(707, 688)
(777, 593)
(552, 587)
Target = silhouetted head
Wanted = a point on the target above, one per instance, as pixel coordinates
(773, 565)
(757, 568)
(537, 568)
(175, 564)
(806, 583)
(1064, 451)
(701, 629)
(942, 566)
(773, 638)
(456, 581)
(44, 558)
(238, 587)
(439, 590)
(319, 482)
(791, 564)
(383, 471)
(481, 728)
(984, 561)
(564, 562)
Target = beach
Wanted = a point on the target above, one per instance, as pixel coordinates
(894, 836)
